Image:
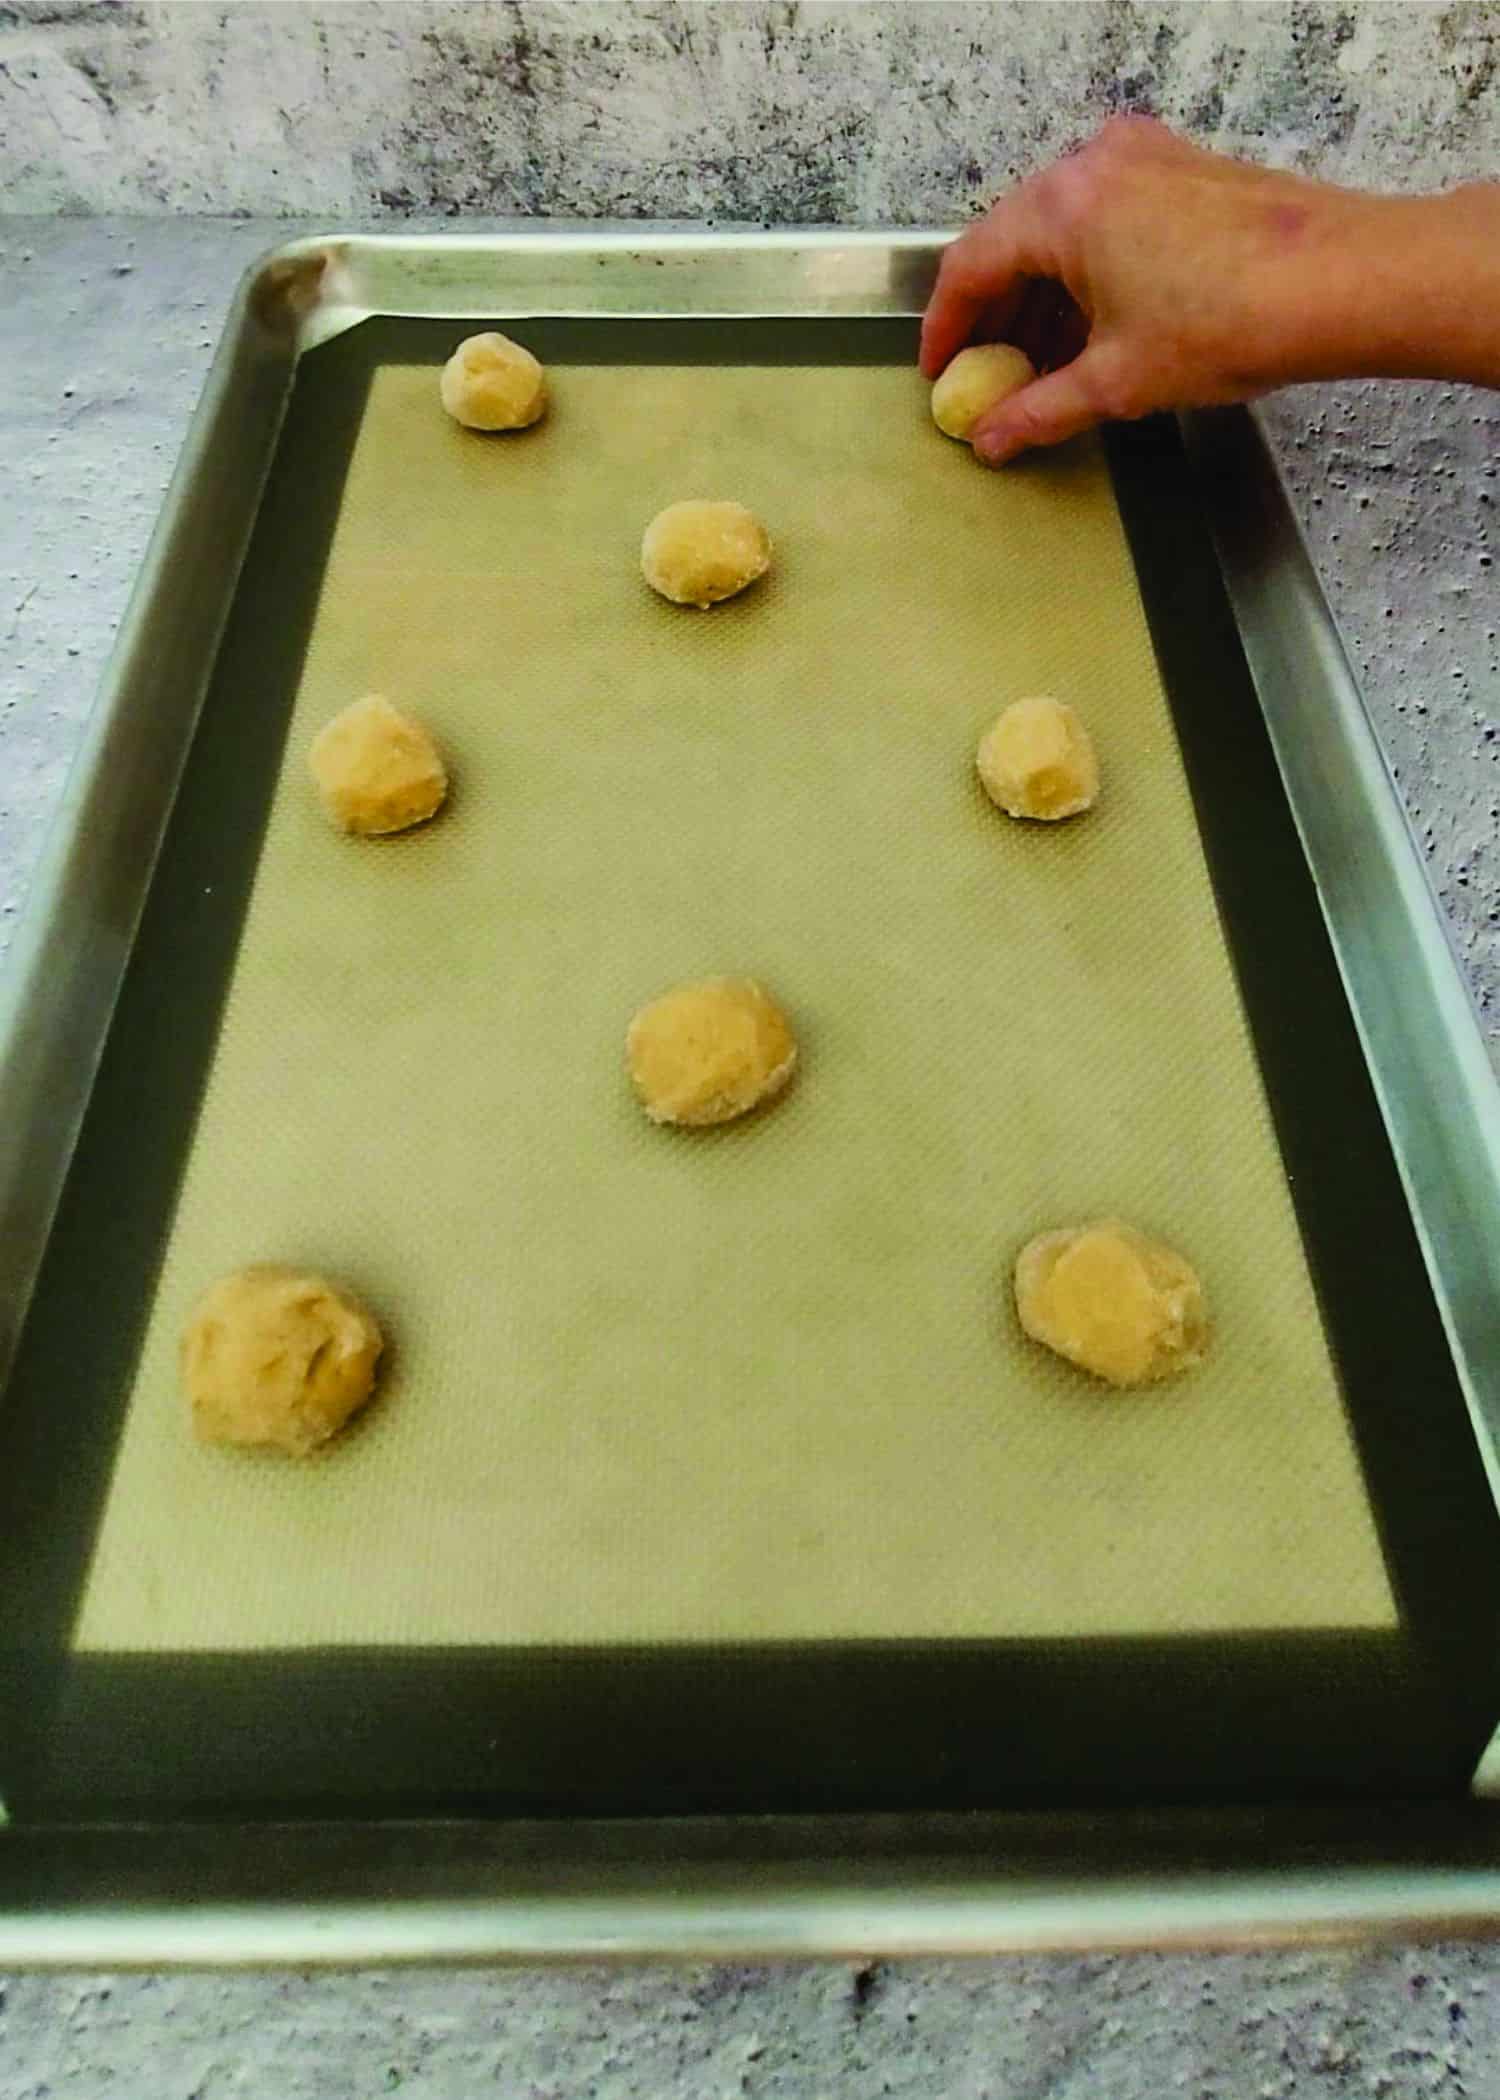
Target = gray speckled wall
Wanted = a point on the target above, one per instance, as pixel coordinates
(750, 109)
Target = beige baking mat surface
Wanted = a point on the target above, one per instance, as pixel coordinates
(765, 1382)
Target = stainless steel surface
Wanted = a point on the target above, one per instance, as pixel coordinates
(472, 276)
(343, 1896)
(244, 1895)
(59, 990)
(1421, 1035)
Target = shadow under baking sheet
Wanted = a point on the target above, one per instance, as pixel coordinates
(704, 1486)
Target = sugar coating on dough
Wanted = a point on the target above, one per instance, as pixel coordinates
(976, 381)
(1038, 760)
(1113, 1301)
(491, 383)
(707, 1052)
(376, 769)
(277, 1358)
(701, 551)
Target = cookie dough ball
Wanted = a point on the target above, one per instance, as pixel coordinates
(1112, 1301)
(376, 769)
(277, 1358)
(707, 1052)
(976, 381)
(491, 383)
(1038, 761)
(698, 552)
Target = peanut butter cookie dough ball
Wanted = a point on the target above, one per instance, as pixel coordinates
(277, 1358)
(699, 552)
(976, 381)
(708, 1052)
(1039, 761)
(1112, 1301)
(376, 769)
(491, 383)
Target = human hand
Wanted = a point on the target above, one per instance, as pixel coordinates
(1143, 273)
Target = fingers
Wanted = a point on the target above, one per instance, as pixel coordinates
(1050, 409)
(983, 268)
(1047, 324)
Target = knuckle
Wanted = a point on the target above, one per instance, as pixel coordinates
(1127, 130)
(1032, 425)
(1115, 391)
(1063, 193)
(1029, 422)
(962, 268)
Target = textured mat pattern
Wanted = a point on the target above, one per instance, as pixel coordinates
(765, 1382)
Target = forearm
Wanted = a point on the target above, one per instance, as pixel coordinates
(1386, 287)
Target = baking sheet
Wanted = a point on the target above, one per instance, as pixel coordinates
(763, 1383)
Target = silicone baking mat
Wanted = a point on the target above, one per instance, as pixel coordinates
(764, 1383)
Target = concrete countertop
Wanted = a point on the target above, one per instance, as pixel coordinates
(105, 333)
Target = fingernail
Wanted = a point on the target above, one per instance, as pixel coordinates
(993, 449)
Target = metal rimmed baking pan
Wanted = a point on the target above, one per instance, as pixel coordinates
(1232, 1002)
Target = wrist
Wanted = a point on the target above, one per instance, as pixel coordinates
(1389, 287)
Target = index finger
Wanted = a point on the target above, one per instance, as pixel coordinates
(987, 263)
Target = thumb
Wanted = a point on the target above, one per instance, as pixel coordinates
(1052, 408)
